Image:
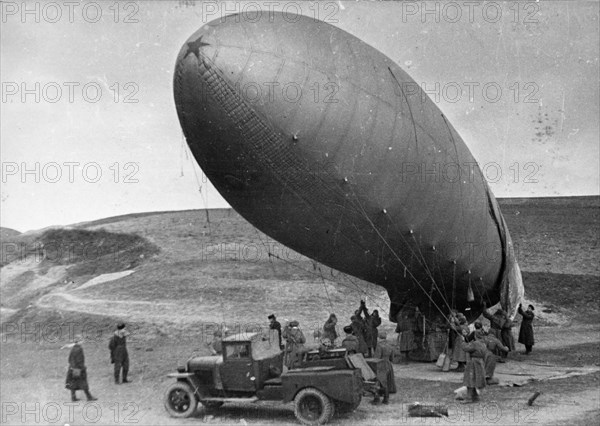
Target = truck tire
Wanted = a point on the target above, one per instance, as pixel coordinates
(180, 400)
(313, 407)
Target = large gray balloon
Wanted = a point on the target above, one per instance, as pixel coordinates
(326, 145)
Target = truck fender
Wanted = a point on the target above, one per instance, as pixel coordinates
(199, 389)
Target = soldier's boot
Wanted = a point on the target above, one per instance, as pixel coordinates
(386, 396)
(73, 396)
(125, 371)
(473, 394)
(376, 398)
(89, 396)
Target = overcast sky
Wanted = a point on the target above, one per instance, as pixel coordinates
(87, 103)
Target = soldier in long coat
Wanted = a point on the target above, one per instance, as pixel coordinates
(526, 330)
(359, 330)
(493, 346)
(506, 336)
(371, 323)
(405, 326)
(294, 345)
(118, 353)
(77, 372)
(458, 323)
(275, 326)
(385, 352)
(329, 329)
(474, 377)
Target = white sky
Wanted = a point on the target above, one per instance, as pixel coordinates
(552, 62)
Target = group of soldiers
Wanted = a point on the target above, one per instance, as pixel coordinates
(478, 351)
(77, 370)
(361, 336)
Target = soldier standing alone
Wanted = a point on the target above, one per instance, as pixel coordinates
(526, 330)
(118, 352)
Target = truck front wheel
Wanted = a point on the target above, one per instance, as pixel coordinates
(180, 400)
(313, 407)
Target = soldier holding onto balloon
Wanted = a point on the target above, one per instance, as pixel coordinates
(458, 323)
(371, 323)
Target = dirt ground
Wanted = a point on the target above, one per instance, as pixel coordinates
(203, 274)
(33, 389)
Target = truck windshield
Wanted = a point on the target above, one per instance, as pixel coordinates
(239, 350)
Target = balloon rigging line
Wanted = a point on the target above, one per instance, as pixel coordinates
(325, 287)
(399, 260)
(358, 288)
(429, 272)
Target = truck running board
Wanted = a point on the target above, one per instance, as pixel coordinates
(217, 399)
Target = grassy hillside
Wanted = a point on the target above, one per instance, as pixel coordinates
(194, 267)
(8, 233)
(37, 263)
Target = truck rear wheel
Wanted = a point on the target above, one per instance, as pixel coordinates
(313, 407)
(180, 400)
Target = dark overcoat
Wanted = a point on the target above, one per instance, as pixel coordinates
(329, 330)
(385, 351)
(404, 328)
(474, 376)
(359, 330)
(118, 349)
(77, 372)
(371, 335)
(526, 330)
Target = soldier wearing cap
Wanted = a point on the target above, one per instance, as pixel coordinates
(118, 352)
(350, 342)
(275, 325)
(526, 330)
(294, 342)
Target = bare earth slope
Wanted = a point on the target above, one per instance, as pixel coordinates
(172, 276)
